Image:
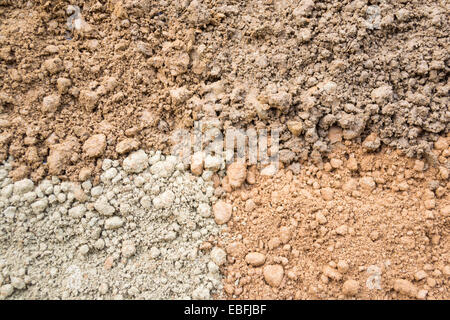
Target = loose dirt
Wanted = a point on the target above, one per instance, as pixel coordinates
(144, 232)
(363, 225)
(358, 89)
(134, 71)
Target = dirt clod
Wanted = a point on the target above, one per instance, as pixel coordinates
(273, 274)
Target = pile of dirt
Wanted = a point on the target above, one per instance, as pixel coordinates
(127, 73)
(365, 226)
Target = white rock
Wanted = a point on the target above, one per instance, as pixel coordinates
(218, 256)
(154, 159)
(61, 197)
(124, 209)
(17, 283)
(103, 288)
(77, 212)
(136, 162)
(96, 191)
(103, 207)
(10, 212)
(146, 202)
(107, 164)
(171, 163)
(163, 169)
(109, 174)
(269, 170)
(7, 191)
(164, 200)
(46, 187)
(204, 210)
(113, 223)
(29, 196)
(40, 205)
(201, 293)
(84, 249)
(170, 235)
(154, 252)
(213, 268)
(99, 244)
(23, 186)
(128, 249)
(6, 290)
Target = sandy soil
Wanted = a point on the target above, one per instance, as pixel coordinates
(361, 220)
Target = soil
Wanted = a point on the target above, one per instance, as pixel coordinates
(141, 69)
(139, 234)
(358, 217)
(359, 90)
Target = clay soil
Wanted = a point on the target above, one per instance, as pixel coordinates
(374, 219)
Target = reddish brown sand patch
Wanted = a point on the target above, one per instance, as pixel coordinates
(333, 230)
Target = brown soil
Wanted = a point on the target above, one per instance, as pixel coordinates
(329, 224)
(144, 68)
(112, 88)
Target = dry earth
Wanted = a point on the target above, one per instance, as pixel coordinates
(355, 227)
(359, 90)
